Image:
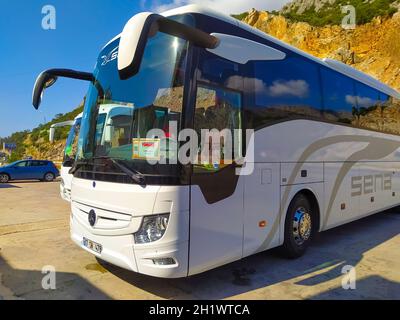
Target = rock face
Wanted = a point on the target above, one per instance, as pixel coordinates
(373, 48)
(46, 150)
(299, 6)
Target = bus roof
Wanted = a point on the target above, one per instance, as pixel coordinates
(329, 63)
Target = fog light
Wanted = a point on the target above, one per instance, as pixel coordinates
(164, 261)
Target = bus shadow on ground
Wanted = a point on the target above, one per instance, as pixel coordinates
(323, 262)
(27, 284)
(372, 287)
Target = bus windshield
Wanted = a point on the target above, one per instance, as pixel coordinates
(119, 113)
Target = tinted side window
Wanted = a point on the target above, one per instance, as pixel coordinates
(369, 106)
(285, 89)
(390, 114)
(218, 106)
(340, 103)
(218, 71)
(22, 164)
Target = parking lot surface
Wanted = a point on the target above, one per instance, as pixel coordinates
(34, 234)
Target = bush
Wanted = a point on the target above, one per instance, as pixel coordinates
(240, 16)
(332, 14)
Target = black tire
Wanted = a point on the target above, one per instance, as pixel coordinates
(49, 177)
(298, 227)
(4, 178)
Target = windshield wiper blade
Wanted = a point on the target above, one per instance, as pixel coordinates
(133, 174)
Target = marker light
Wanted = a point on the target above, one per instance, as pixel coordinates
(152, 229)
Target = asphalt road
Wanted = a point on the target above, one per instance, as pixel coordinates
(34, 233)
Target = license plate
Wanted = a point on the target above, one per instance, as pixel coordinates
(91, 245)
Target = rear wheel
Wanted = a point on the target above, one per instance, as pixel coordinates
(4, 178)
(49, 177)
(298, 227)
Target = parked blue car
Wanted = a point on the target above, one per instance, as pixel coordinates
(29, 170)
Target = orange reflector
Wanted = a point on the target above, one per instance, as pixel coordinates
(262, 224)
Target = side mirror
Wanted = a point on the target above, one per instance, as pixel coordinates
(145, 25)
(44, 81)
(47, 78)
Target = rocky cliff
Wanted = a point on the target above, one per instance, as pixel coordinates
(301, 6)
(373, 48)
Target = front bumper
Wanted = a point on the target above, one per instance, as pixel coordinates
(121, 251)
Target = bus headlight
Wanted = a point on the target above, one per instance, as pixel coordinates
(152, 229)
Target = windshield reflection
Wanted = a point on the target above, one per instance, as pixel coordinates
(120, 113)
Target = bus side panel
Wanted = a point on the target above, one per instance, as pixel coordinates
(376, 179)
(341, 201)
(302, 173)
(261, 207)
(395, 199)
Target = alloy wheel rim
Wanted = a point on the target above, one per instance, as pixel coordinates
(302, 226)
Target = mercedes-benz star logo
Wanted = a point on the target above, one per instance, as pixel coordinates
(92, 218)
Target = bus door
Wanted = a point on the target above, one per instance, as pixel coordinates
(216, 203)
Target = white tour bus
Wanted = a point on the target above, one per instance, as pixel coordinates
(110, 114)
(320, 145)
(69, 154)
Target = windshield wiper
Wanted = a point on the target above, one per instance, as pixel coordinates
(133, 174)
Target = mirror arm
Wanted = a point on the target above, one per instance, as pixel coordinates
(72, 74)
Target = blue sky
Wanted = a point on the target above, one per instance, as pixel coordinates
(83, 27)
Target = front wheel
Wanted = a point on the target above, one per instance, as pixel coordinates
(49, 177)
(4, 178)
(298, 227)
